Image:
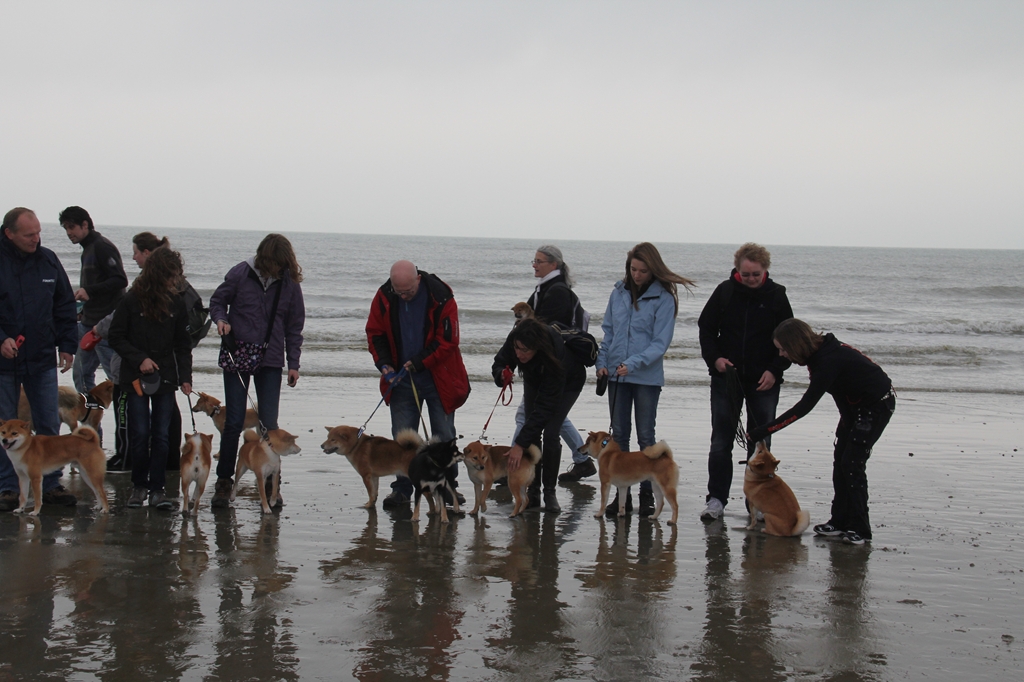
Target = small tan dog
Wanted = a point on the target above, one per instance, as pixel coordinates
(486, 463)
(75, 407)
(769, 494)
(263, 457)
(212, 408)
(35, 456)
(373, 456)
(196, 462)
(623, 469)
(522, 311)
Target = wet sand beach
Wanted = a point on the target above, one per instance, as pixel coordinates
(325, 590)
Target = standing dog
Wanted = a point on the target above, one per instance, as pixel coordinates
(35, 456)
(430, 473)
(623, 469)
(212, 408)
(769, 494)
(485, 463)
(75, 407)
(373, 456)
(263, 457)
(195, 468)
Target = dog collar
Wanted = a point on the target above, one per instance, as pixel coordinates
(605, 442)
(216, 411)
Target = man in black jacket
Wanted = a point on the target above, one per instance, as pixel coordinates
(37, 317)
(101, 286)
(736, 328)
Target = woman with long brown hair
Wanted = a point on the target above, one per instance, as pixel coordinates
(150, 333)
(638, 326)
(259, 303)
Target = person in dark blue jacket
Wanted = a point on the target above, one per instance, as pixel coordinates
(866, 401)
(37, 318)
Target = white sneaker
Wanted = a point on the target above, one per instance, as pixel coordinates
(713, 511)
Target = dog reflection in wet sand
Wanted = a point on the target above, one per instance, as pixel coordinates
(769, 494)
(263, 457)
(623, 469)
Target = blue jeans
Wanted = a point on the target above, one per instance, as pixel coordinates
(268, 399)
(569, 433)
(149, 423)
(41, 390)
(724, 418)
(626, 400)
(405, 414)
(83, 372)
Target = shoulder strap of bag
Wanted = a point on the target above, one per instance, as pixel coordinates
(273, 312)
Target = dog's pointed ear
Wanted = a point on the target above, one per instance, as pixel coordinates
(327, 428)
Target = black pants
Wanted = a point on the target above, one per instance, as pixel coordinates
(551, 442)
(122, 459)
(859, 429)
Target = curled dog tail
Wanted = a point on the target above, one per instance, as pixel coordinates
(803, 519)
(87, 433)
(250, 435)
(657, 450)
(409, 438)
(532, 454)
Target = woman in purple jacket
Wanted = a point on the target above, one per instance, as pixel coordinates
(241, 306)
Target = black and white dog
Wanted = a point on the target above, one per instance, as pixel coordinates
(431, 475)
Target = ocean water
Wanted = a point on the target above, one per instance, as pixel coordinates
(935, 320)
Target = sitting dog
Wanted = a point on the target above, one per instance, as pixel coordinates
(485, 463)
(373, 456)
(522, 311)
(35, 456)
(623, 469)
(75, 407)
(195, 468)
(430, 473)
(263, 457)
(212, 407)
(769, 494)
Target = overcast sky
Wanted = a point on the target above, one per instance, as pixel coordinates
(827, 123)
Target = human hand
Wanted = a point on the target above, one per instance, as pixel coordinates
(148, 367)
(515, 455)
(9, 348)
(223, 328)
(721, 364)
(621, 370)
(81, 295)
(65, 362)
(507, 376)
(767, 381)
(603, 372)
(186, 388)
(293, 377)
(757, 435)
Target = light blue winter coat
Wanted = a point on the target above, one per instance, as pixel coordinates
(637, 338)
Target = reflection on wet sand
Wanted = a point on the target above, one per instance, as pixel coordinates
(415, 619)
(253, 636)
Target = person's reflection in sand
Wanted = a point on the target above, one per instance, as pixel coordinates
(253, 638)
(409, 630)
(848, 646)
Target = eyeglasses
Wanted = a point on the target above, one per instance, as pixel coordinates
(538, 262)
(748, 275)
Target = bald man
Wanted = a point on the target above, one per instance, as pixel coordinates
(414, 325)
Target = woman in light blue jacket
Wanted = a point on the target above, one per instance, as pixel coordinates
(638, 326)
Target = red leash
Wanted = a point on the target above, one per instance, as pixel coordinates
(507, 376)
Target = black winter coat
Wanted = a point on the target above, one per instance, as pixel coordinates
(554, 302)
(737, 323)
(166, 342)
(37, 302)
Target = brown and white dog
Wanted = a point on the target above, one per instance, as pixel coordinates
(373, 456)
(486, 463)
(623, 469)
(75, 407)
(35, 456)
(770, 495)
(196, 461)
(212, 408)
(522, 311)
(263, 457)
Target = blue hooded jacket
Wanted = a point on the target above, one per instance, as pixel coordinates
(637, 338)
(37, 302)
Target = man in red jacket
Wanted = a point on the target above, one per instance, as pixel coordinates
(414, 325)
